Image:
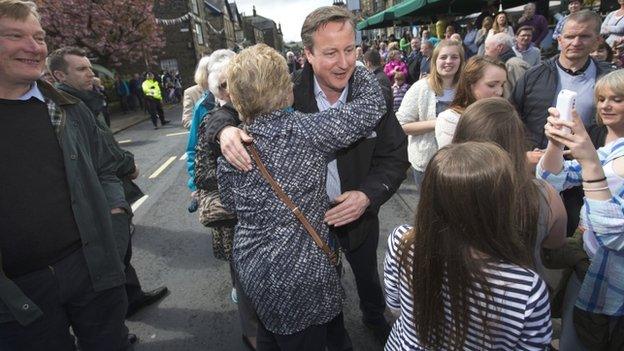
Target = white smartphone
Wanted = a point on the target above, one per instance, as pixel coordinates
(566, 102)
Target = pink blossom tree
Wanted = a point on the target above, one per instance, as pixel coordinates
(114, 31)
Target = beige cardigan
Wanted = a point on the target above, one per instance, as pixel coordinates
(191, 95)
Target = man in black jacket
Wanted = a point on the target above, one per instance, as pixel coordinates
(574, 70)
(72, 69)
(413, 61)
(361, 178)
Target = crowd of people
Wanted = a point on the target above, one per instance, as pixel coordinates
(289, 166)
(483, 148)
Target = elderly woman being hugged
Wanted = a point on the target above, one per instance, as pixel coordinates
(292, 282)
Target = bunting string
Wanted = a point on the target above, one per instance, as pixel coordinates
(188, 16)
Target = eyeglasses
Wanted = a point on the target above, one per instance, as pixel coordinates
(223, 85)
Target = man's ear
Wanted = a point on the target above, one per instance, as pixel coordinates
(59, 76)
(309, 55)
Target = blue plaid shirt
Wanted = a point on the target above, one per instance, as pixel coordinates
(603, 287)
(559, 27)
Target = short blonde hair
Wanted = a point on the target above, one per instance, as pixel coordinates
(18, 9)
(613, 81)
(201, 73)
(258, 82)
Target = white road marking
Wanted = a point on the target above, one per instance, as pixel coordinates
(139, 202)
(180, 133)
(163, 167)
(183, 157)
(124, 141)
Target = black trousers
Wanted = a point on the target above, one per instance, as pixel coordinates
(155, 109)
(599, 332)
(65, 294)
(133, 286)
(313, 338)
(363, 261)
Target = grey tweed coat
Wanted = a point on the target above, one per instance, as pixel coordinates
(289, 280)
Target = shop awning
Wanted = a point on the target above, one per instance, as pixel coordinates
(414, 8)
(381, 19)
(426, 8)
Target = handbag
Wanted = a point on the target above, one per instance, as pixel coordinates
(211, 211)
(331, 254)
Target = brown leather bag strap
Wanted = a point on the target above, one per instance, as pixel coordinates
(333, 258)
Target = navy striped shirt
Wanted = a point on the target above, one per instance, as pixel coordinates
(520, 306)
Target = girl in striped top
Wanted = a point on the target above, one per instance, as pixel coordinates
(459, 279)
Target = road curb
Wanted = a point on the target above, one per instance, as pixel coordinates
(141, 120)
(146, 118)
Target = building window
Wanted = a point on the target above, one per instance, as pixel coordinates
(199, 34)
(169, 65)
(194, 7)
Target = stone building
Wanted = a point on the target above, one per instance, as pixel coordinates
(253, 35)
(194, 28)
(185, 37)
(225, 30)
(271, 32)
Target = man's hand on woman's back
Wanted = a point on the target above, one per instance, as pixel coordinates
(231, 140)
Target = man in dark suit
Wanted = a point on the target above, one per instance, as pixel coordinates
(361, 177)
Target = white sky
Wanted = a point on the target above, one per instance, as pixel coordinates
(290, 13)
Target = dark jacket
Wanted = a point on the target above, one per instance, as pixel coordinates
(94, 189)
(386, 85)
(124, 158)
(535, 92)
(413, 66)
(375, 165)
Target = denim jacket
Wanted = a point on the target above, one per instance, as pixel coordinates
(90, 168)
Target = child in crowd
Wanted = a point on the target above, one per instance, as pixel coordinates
(399, 88)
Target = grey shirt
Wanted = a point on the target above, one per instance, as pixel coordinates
(531, 55)
(583, 84)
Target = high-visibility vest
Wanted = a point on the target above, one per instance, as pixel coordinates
(151, 89)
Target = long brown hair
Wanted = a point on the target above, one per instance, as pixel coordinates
(495, 27)
(473, 71)
(496, 120)
(464, 223)
(434, 79)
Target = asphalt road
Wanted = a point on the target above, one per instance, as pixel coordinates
(172, 248)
